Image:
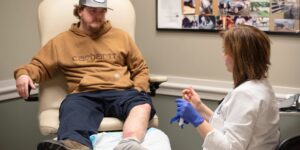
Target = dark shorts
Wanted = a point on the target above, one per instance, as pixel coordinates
(81, 113)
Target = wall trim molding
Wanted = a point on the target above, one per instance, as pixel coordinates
(8, 90)
(208, 89)
(212, 89)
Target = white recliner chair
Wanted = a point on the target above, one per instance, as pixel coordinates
(56, 16)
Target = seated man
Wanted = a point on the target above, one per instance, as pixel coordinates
(106, 76)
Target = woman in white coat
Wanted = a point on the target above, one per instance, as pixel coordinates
(248, 117)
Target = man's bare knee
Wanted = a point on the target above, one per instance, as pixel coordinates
(145, 106)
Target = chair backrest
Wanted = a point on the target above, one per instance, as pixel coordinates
(56, 16)
(292, 143)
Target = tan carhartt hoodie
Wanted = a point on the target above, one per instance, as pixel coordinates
(110, 61)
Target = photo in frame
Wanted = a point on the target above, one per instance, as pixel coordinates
(272, 16)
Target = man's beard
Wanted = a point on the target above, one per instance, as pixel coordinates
(92, 28)
(95, 28)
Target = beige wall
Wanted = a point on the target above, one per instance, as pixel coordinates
(19, 38)
(188, 54)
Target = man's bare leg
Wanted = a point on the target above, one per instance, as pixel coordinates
(135, 127)
(137, 121)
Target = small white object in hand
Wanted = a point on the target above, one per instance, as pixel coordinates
(181, 122)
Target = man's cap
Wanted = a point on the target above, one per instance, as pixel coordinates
(94, 3)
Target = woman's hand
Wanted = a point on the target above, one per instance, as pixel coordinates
(191, 95)
(188, 113)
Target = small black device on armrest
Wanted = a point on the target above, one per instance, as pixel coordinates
(31, 98)
(155, 81)
(153, 87)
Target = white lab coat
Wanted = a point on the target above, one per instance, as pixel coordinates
(247, 119)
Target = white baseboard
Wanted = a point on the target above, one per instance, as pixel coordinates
(208, 89)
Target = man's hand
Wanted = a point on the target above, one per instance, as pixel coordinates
(23, 83)
(138, 89)
(186, 111)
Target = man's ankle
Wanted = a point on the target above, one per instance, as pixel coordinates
(129, 144)
(132, 138)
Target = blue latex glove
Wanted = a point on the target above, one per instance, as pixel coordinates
(186, 111)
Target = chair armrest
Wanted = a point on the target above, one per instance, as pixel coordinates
(155, 81)
(158, 79)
